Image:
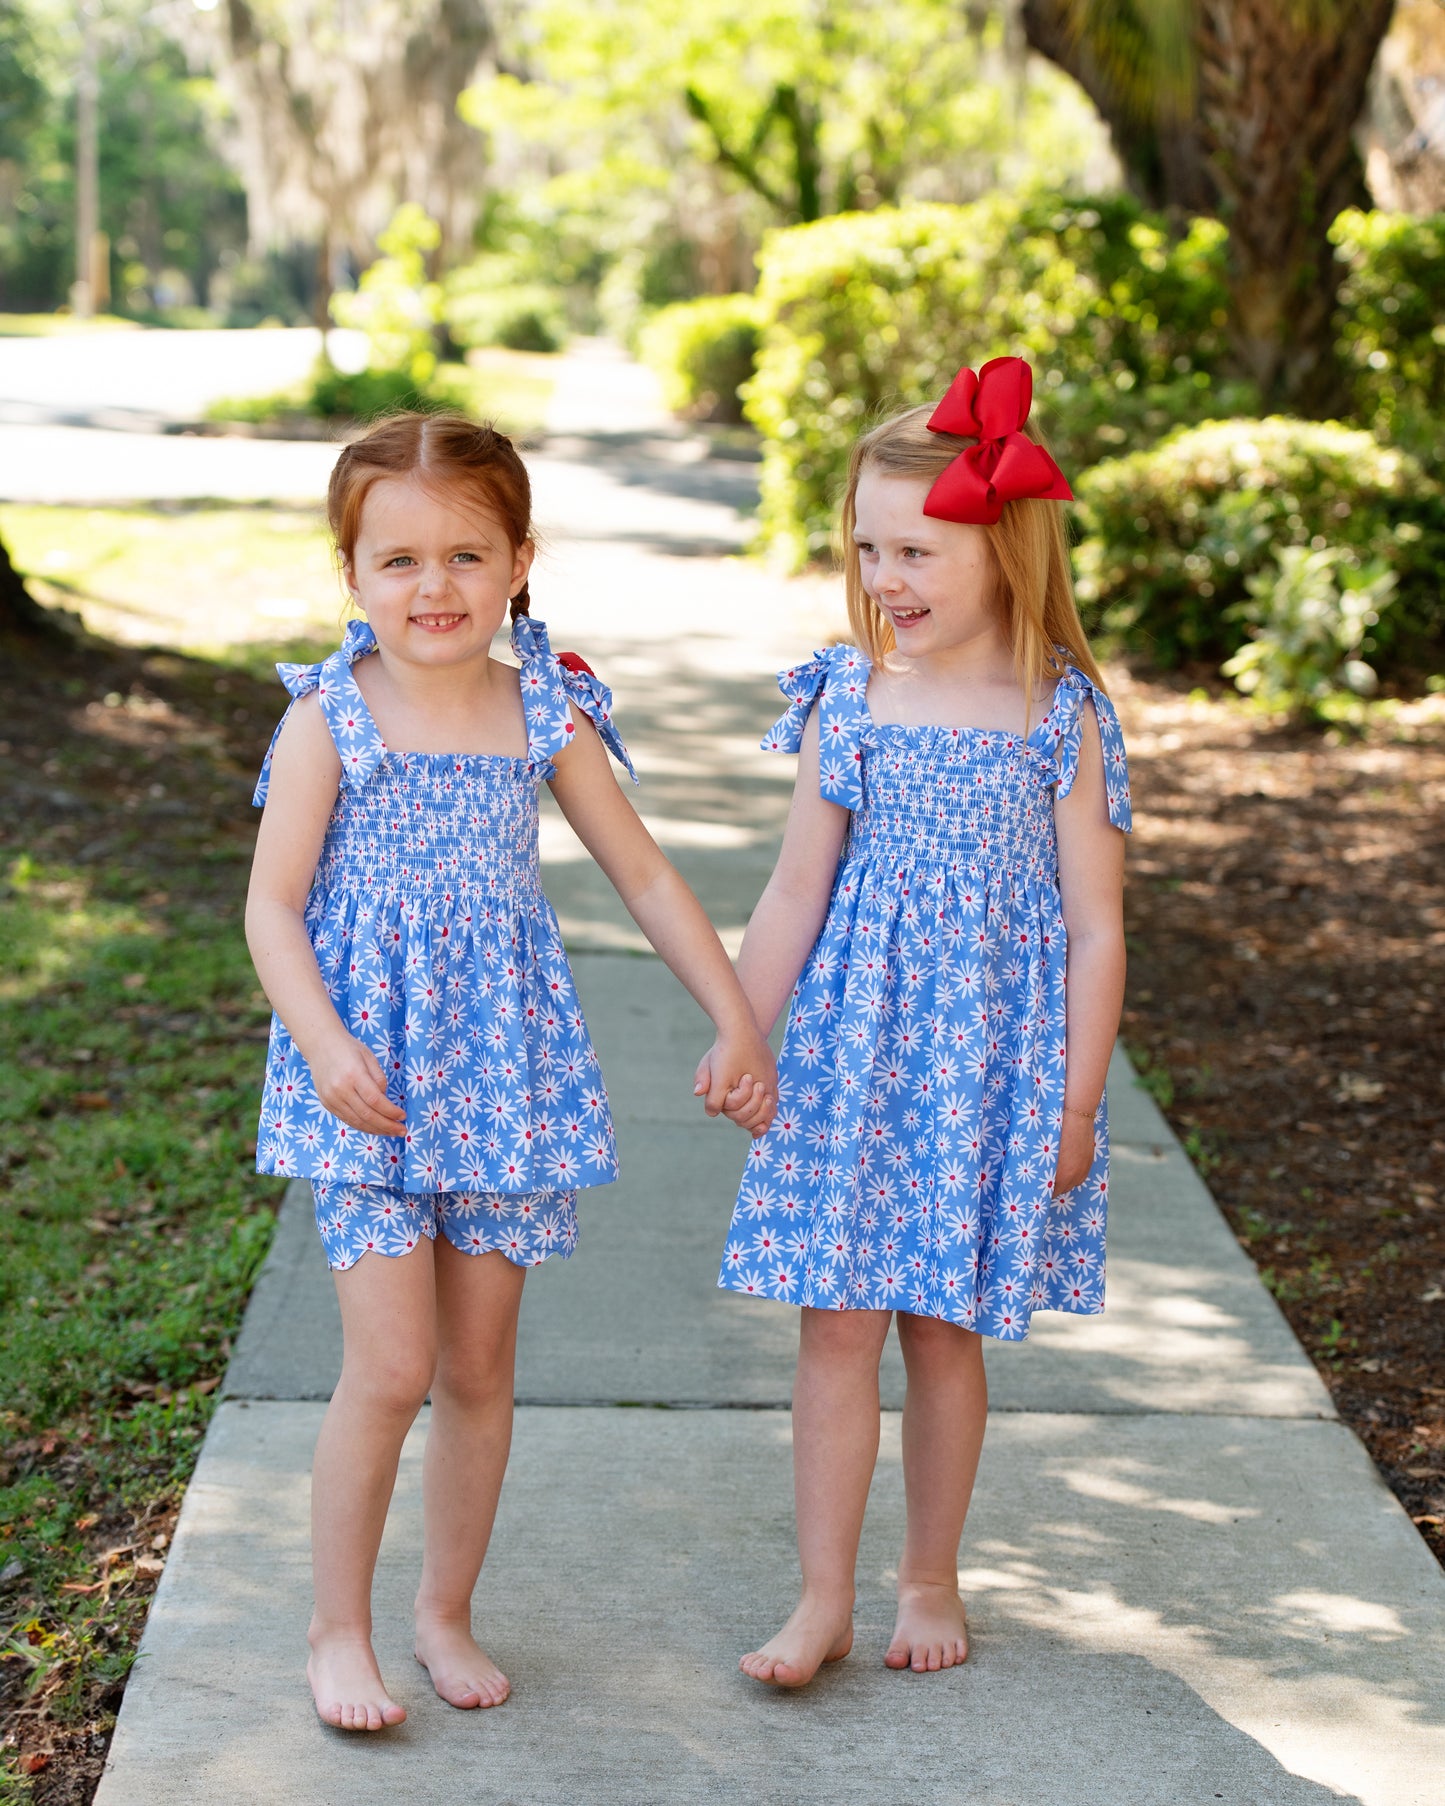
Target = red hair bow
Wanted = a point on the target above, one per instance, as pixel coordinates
(991, 407)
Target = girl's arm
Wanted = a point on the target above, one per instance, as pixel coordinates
(1091, 883)
(660, 902)
(783, 927)
(305, 777)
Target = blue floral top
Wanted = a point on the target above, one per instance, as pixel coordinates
(442, 955)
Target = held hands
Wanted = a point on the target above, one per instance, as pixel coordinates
(738, 1078)
(348, 1079)
(1076, 1153)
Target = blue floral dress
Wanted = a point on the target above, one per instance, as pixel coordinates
(921, 1080)
(443, 957)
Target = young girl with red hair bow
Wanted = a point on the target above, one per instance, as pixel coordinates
(944, 928)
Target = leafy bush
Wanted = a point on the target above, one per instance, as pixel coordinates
(1390, 333)
(394, 303)
(704, 351)
(1309, 621)
(487, 303)
(363, 394)
(1175, 533)
(343, 395)
(866, 312)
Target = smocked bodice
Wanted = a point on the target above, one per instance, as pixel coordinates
(944, 797)
(435, 824)
(970, 800)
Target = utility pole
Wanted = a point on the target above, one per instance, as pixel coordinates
(91, 290)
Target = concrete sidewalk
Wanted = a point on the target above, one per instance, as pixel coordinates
(1186, 1580)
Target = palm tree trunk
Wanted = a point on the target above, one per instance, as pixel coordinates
(1279, 92)
(1263, 140)
(1160, 147)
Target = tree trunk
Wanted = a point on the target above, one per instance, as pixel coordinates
(1262, 139)
(1163, 157)
(20, 613)
(1279, 97)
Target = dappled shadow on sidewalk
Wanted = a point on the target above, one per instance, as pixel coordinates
(1181, 1615)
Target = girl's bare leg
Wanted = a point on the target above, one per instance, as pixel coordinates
(477, 1300)
(944, 1416)
(388, 1322)
(835, 1448)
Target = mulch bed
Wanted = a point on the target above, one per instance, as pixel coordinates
(1286, 919)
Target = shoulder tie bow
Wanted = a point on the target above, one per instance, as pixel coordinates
(991, 406)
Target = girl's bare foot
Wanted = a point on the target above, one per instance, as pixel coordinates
(816, 1633)
(463, 1673)
(932, 1628)
(346, 1684)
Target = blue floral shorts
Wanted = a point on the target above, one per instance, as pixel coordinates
(378, 1219)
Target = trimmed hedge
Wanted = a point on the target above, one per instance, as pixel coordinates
(866, 312)
(1175, 533)
(704, 351)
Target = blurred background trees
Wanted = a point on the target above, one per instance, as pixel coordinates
(1189, 212)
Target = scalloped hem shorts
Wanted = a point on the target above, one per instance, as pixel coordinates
(378, 1219)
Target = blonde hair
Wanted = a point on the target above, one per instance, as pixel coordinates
(1035, 588)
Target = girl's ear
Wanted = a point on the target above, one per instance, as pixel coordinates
(522, 563)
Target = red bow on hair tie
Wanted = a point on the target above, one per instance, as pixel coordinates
(1004, 466)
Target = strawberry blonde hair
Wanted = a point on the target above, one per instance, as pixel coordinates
(446, 452)
(1034, 591)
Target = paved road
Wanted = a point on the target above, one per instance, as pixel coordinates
(1187, 1581)
(132, 379)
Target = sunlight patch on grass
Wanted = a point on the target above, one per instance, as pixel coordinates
(48, 923)
(52, 326)
(202, 578)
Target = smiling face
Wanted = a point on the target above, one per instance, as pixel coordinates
(433, 571)
(934, 581)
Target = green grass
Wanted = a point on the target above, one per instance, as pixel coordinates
(202, 577)
(49, 326)
(131, 1037)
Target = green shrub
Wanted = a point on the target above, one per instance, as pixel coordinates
(334, 394)
(1390, 332)
(866, 312)
(345, 395)
(487, 303)
(394, 304)
(1175, 533)
(704, 351)
(1309, 620)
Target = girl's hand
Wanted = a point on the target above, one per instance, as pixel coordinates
(750, 1105)
(1076, 1153)
(727, 1083)
(348, 1079)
